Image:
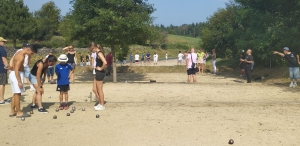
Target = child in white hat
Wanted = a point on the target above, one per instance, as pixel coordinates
(63, 72)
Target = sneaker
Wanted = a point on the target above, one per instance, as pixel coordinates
(34, 106)
(291, 85)
(61, 107)
(295, 85)
(99, 107)
(42, 110)
(96, 105)
(66, 107)
(31, 89)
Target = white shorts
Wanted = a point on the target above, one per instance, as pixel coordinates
(155, 61)
(14, 82)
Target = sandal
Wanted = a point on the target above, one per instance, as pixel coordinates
(13, 115)
(24, 115)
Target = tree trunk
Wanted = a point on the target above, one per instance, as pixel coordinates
(112, 46)
(15, 43)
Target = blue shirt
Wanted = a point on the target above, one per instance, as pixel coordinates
(63, 71)
(2, 54)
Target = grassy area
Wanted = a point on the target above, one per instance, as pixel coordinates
(189, 41)
(174, 44)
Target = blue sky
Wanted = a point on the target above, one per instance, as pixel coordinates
(176, 12)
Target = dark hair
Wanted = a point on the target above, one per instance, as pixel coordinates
(33, 48)
(179, 51)
(51, 58)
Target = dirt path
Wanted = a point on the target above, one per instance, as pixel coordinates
(169, 112)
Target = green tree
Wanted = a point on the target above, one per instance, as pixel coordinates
(16, 23)
(111, 22)
(47, 21)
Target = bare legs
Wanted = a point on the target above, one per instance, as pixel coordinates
(37, 96)
(99, 90)
(2, 90)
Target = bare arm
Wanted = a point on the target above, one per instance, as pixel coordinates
(29, 59)
(280, 54)
(66, 49)
(75, 58)
(187, 62)
(93, 61)
(298, 59)
(5, 62)
(39, 73)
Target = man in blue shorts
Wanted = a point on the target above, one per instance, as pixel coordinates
(292, 60)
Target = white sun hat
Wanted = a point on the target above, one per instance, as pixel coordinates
(63, 58)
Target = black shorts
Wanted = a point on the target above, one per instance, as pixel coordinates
(242, 66)
(63, 88)
(3, 78)
(72, 65)
(191, 71)
(100, 75)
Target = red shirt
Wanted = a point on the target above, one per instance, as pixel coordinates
(109, 59)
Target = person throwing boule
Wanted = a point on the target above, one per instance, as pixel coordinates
(293, 64)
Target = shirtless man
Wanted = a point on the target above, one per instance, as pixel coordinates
(16, 79)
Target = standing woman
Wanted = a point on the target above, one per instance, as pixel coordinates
(242, 65)
(100, 74)
(214, 59)
(71, 54)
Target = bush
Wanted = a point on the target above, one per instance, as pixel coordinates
(57, 41)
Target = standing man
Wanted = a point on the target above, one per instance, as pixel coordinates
(143, 58)
(26, 67)
(248, 64)
(3, 74)
(292, 60)
(166, 56)
(155, 58)
(180, 56)
(109, 60)
(50, 70)
(191, 65)
(131, 58)
(148, 56)
(87, 59)
(137, 58)
(16, 79)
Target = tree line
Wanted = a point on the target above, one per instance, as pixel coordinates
(262, 25)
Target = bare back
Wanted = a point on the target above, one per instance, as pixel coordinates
(17, 61)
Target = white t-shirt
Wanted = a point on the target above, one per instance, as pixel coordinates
(137, 57)
(155, 57)
(189, 57)
(180, 56)
(25, 64)
(94, 55)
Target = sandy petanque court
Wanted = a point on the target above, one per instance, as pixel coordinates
(166, 113)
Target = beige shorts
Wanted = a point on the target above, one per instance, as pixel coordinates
(201, 61)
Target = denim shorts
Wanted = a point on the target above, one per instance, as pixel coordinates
(33, 80)
(50, 71)
(294, 72)
(26, 72)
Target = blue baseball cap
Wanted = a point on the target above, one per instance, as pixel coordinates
(286, 49)
(25, 45)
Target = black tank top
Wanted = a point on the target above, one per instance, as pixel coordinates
(71, 58)
(35, 68)
(99, 61)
